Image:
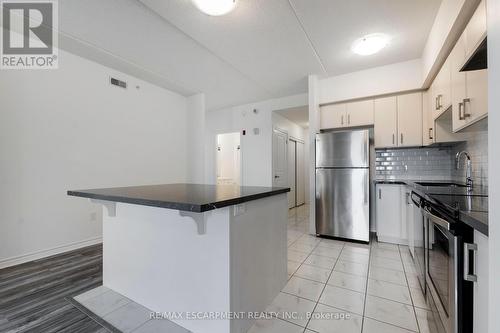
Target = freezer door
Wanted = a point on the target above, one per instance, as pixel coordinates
(342, 203)
(345, 149)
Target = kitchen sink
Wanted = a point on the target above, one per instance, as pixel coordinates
(440, 184)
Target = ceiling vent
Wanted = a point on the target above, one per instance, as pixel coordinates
(118, 83)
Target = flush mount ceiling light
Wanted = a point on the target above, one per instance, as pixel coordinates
(370, 44)
(215, 7)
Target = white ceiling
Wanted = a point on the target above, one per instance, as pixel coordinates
(298, 115)
(263, 49)
(333, 25)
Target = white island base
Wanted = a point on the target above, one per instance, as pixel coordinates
(231, 260)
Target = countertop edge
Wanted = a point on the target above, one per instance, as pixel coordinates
(195, 208)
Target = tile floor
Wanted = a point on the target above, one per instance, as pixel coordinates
(348, 287)
(123, 314)
(333, 286)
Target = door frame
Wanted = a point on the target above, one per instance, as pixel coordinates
(240, 150)
(273, 152)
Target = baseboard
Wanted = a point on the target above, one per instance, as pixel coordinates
(392, 240)
(48, 252)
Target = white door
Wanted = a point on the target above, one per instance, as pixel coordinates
(291, 173)
(386, 116)
(410, 120)
(280, 152)
(300, 187)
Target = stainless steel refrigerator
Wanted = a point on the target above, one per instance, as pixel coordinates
(343, 184)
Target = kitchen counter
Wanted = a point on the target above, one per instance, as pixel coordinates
(193, 248)
(185, 197)
(472, 206)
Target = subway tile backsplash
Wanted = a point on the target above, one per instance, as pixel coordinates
(414, 163)
(435, 163)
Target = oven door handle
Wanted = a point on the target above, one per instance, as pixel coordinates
(468, 247)
(416, 199)
(436, 219)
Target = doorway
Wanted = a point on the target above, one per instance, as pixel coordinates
(228, 159)
(296, 173)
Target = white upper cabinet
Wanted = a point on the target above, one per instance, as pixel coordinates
(360, 113)
(386, 122)
(470, 88)
(398, 121)
(441, 90)
(332, 116)
(428, 130)
(347, 114)
(458, 83)
(410, 120)
(476, 29)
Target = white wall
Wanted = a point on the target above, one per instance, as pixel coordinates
(290, 127)
(313, 100)
(494, 161)
(256, 149)
(402, 76)
(195, 139)
(69, 129)
(309, 158)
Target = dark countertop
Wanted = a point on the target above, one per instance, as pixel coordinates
(472, 206)
(196, 198)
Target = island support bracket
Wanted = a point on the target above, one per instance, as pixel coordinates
(110, 206)
(199, 218)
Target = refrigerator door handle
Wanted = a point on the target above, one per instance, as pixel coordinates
(367, 185)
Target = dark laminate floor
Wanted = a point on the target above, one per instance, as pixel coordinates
(33, 295)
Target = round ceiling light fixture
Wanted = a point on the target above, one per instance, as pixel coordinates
(370, 44)
(215, 7)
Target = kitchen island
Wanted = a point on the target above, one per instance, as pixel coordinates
(210, 250)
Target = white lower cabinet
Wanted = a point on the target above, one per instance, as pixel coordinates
(481, 285)
(391, 214)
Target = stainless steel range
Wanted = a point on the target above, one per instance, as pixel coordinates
(448, 260)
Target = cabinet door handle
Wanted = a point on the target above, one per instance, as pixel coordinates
(467, 249)
(430, 133)
(342, 121)
(460, 107)
(393, 139)
(466, 115)
(349, 119)
(439, 101)
(436, 103)
(402, 138)
(379, 193)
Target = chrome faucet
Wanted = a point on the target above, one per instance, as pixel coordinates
(468, 171)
